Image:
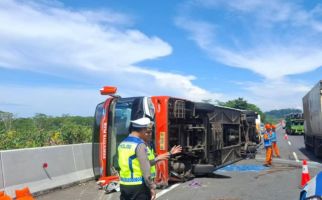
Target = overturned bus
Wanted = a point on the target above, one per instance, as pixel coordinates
(211, 136)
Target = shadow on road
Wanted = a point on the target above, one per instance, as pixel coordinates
(213, 175)
(310, 155)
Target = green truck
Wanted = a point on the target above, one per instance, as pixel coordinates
(294, 124)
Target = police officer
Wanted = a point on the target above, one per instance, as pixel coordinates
(151, 153)
(135, 176)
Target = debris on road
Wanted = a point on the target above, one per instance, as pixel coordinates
(194, 184)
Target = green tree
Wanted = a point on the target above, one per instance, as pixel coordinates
(242, 104)
(44, 130)
(6, 118)
(72, 133)
(278, 114)
(41, 121)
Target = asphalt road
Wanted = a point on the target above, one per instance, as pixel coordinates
(245, 180)
(293, 147)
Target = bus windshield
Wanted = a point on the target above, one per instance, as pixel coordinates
(125, 110)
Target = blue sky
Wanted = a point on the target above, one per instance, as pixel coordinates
(56, 55)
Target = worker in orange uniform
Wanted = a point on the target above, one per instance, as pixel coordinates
(268, 145)
(276, 151)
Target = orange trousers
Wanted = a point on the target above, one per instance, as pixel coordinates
(268, 160)
(276, 151)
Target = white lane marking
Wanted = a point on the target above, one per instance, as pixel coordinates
(289, 142)
(167, 190)
(295, 156)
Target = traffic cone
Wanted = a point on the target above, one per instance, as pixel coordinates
(305, 174)
(285, 137)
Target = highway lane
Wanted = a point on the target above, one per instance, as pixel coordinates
(278, 182)
(293, 147)
(281, 181)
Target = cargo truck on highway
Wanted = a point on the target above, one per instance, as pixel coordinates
(312, 108)
(211, 136)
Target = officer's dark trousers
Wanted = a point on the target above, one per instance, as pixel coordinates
(135, 192)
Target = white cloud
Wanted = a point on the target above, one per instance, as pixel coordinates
(282, 38)
(272, 62)
(100, 48)
(44, 38)
(92, 47)
(271, 38)
(276, 94)
(25, 101)
(174, 85)
(273, 11)
(201, 32)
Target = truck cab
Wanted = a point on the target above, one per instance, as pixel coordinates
(294, 124)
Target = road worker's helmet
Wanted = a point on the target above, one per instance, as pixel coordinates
(268, 126)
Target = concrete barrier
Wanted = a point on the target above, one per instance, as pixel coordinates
(66, 164)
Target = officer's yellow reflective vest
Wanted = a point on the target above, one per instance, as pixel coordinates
(151, 156)
(130, 173)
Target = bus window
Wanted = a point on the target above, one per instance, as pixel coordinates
(120, 128)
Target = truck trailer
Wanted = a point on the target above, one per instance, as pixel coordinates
(312, 108)
(211, 136)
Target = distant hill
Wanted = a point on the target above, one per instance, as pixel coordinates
(278, 114)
